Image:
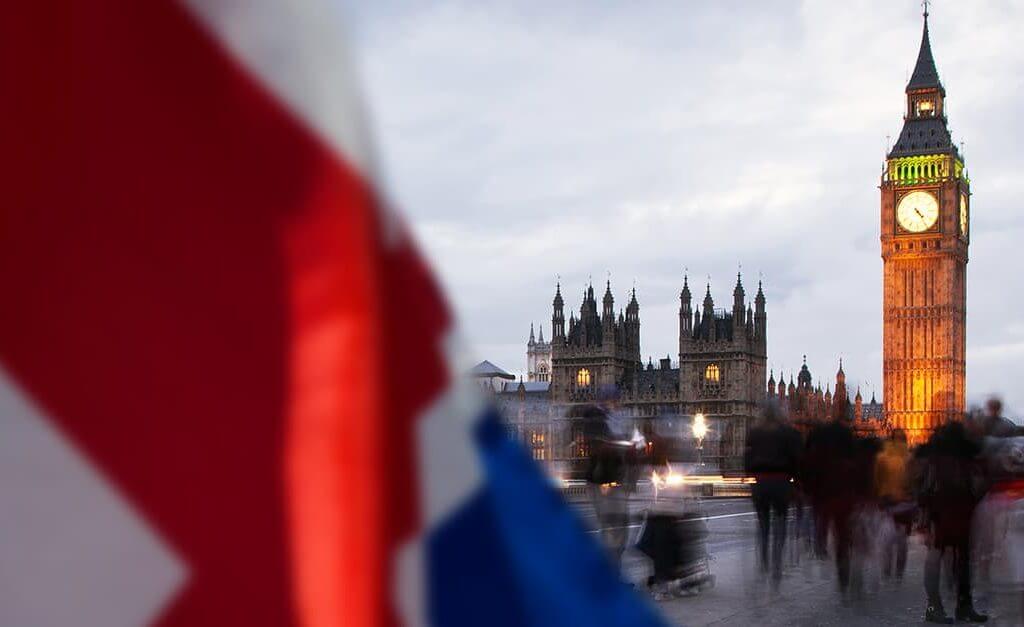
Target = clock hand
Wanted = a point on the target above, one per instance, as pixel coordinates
(918, 212)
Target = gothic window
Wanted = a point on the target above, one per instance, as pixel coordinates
(583, 378)
(580, 450)
(537, 445)
(542, 372)
(710, 385)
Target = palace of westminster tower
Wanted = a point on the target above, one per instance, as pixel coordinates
(925, 219)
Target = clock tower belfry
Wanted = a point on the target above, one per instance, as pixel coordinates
(925, 204)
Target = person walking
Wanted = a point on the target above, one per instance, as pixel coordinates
(830, 462)
(994, 424)
(949, 492)
(892, 491)
(606, 477)
(772, 458)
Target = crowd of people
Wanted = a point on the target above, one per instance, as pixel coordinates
(831, 494)
(855, 498)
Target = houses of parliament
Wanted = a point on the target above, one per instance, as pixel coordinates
(721, 370)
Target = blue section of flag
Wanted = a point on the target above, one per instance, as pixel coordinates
(516, 554)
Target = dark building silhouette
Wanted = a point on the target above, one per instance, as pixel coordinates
(720, 370)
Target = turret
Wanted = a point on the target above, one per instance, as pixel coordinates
(633, 308)
(841, 393)
(558, 317)
(540, 340)
(771, 384)
(685, 311)
(708, 316)
(608, 312)
(532, 341)
(738, 297)
(841, 398)
(760, 318)
(632, 325)
(709, 303)
(588, 325)
(804, 378)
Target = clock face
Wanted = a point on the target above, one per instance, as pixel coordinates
(917, 211)
(963, 215)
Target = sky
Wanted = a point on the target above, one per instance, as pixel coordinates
(640, 141)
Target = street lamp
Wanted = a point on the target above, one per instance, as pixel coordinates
(700, 429)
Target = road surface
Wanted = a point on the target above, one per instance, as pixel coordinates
(808, 594)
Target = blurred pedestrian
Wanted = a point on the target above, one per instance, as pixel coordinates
(892, 491)
(998, 531)
(605, 476)
(830, 476)
(994, 424)
(867, 523)
(772, 457)
(949, 492)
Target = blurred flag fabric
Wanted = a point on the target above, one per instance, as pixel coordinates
(226, 391)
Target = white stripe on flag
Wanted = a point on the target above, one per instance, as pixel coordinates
(72, 550)
(297, 49)
(449, 473)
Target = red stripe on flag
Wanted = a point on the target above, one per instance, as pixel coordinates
(186, 266)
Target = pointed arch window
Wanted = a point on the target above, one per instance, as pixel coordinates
(712, 374)
(583, 378)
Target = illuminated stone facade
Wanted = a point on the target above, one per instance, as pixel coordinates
(925, 203)
(808, 406)
(595, 351)
(538, 358)
(721, 370)
(723, 359)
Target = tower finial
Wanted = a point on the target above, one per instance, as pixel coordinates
(925, 4)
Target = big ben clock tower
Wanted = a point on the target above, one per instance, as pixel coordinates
(925, 200)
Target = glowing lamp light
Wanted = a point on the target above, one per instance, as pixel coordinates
(700, 427)
(670, 478)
